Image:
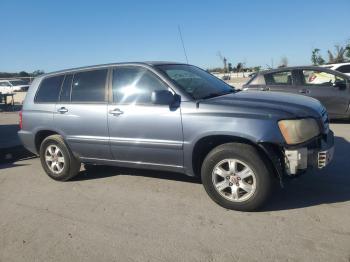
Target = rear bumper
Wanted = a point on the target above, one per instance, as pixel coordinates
(300, 159)
(27, 140)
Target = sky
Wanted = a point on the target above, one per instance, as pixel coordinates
(54, 35)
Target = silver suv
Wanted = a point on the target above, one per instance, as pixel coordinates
(174, 117)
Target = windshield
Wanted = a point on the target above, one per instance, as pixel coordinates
(196, 82)
(17, 82)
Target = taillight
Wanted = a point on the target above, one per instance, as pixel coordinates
(20, 120)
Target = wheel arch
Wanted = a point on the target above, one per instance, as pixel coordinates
(40, 135)
(269, 152)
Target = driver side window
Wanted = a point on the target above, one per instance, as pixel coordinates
(134, 85)
(319, 78)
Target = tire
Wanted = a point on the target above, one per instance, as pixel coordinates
(60, 165)
(238, 190)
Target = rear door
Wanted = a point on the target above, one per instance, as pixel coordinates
(81, 113)
(330, 89)
(281, 81)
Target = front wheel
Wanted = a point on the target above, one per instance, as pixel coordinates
(236, 177)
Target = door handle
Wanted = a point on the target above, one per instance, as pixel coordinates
(116, 112)
(62, 110)
(264, 88)
(304, 91)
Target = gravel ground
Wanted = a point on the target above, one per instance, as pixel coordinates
(116, 214)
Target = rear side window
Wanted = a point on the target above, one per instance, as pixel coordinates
(279, 78)
(344, 69)
(89, 86)
(49, 89)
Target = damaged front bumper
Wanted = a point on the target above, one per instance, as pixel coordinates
(299, 159)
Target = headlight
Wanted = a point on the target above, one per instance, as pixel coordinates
(298, 130)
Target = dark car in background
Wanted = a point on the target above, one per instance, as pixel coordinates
(330, 87)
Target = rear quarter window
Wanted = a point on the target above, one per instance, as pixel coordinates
(344, 69)
(49, 89)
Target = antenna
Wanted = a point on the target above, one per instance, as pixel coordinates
(182, 41)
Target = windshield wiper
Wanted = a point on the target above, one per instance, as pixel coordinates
(211, 95)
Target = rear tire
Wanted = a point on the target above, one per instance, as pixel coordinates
(57, 159)
(235, 176)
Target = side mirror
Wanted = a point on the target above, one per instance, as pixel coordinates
(162, 97)
(340, 84)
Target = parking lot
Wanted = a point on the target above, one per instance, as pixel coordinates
(115, 214)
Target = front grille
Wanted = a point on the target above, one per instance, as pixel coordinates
(322, 159)
(325, 121)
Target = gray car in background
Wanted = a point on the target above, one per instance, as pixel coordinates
(174, 117)
(330, 87)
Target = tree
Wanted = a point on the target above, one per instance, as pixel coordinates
(347, 50)
(284, 62)
(239, 67)
(316, 58)
(38, 72)
(257, 68)
(23, 74)
(230, 67)
(338, 56)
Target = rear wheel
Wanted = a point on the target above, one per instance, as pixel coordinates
(57, 159)
(235, 176)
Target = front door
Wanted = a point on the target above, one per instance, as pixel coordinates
(329, 89)
(141, 132)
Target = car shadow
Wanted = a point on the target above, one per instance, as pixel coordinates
(11, 165)
(10, 108)
(316, 187)
(340, 121)
(8, 136)
(327, 186)
(99, 172)
(10, 155)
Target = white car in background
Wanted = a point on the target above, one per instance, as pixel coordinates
(8, 86)
(341, 67)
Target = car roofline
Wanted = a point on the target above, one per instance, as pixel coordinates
(83, 68)
(290, 68)
(336, 64)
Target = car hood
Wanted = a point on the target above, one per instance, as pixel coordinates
(271, 104)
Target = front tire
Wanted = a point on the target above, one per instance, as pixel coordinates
(235, 176)
(57, 159)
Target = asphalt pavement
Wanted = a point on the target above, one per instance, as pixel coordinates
(115, 214)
